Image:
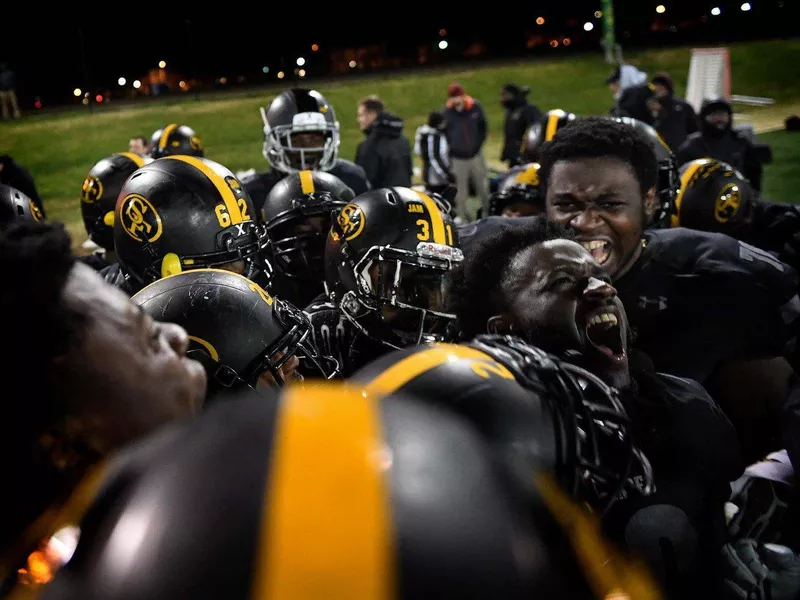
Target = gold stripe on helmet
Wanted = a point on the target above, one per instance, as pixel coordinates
(687, 176)
(207, 345)
(552, 124)
(219, 182)
(162, 142)
(306, 182)
(529, 176)
(326, 530)
(400, 373)
(437, 222)
(134, 157)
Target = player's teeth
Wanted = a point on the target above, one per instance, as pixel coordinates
(605, 318)
(613, 319)
(594, 244)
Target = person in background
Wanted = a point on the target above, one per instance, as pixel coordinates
(466, 133)
(17, 176)
(430, 144)
(520, 114)
(675, 118)
(633, 95)
(8, 92)
(385, 155)
(140, 145)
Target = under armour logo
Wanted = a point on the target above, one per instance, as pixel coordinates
(661, 302)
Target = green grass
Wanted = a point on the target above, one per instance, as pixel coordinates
(59, 149)
(782, 177)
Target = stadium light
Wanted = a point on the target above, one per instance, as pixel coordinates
(85, 101)
(540, 20)
(162, 64)
(566, 41)
(443, 45)
(314, 47)
(76, 92)
(280, 74)
(352, 64)
(137, 84)
(121, 81)
(598, 14)
(301, 61)
(661, 9)
(588, 26)
(715, 11)
(745, 7)
(554, 43)
(302, 72)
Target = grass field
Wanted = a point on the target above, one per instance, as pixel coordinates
(59, 149)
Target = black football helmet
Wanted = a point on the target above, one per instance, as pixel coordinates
(543, 131)
(182, 212)
(299, 111)
(16, 206)
(529, 404)
(386, 258)
(714, 197)
(668, 176)
(236, 329)
(520, 187)
(100, 191)
(297, 214)
(175, 139)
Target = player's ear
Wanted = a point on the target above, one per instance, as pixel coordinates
(499, 324)
(650, 204)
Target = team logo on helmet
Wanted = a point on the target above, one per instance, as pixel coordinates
(35, 212)
(195, 143)
(234, 184)
(352, 221)
(259, 290)
(139, 219)
(728, 203)
(92, 189)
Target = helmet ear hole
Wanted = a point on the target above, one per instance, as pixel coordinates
(171, 265)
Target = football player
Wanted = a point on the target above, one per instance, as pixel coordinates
(241, 334)
(698, 302)
(85, 372)
(16, 206)
(99, 198)
(543, 131)
(531, 282)
(518, 193)
(323, 493)
(297, 217)
(386, 259)
(301, 133)
(180, 213)
(174, 140)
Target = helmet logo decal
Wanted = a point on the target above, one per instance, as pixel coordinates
(35, 212)
(352, 221)
(139, 219)
(207, 346)
(264, 295)
(91, 190)
(529, 176)
(728, 203)
(195, 143)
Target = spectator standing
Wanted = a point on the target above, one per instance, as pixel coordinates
(385, 155)
(8, 92)
(520, 114)
(676, 118)
(430, 144)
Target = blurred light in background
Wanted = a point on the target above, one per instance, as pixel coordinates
(121, 81)
(76, 92)
(137, 84)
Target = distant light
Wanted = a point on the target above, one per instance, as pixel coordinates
(314, 47)
(85, 101)
(98, 98)
(76, 92)
(352, 64)
(716, 11)
(162, 64)
(38, 104)
(223, 80)
(598, 14)
(540, 20)
(746, 6)
(137, 84)
(301, 61)
(302, 72)
(121, 81)
(566, 41)
(443, 32)
(182, 84)
(554, 43)
(443, 45)
(588, 26)
(280, 74)
(661, 9)
(266, 70)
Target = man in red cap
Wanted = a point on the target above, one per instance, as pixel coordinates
(466, 132)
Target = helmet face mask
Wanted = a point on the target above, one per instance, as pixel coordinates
(290, 148)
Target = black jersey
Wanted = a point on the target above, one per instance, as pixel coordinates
(115, 275)
(259, 185)
(696, 300)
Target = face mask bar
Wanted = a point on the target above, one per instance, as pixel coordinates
(278, 142)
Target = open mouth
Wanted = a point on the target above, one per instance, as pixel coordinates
(604, 333)
(599, 249)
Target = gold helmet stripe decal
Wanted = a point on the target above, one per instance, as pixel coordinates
(306, 182)
(219, 182)
(437, 222)
(162, 142)
(134, 157)
(685, 179)
(552, 124)
(326, 532)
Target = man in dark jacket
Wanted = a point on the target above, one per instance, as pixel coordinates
(17, 176)
(634, 96)
(676, 118)
(716, 139)
(466, 132)
(385, 155)
(520, 114)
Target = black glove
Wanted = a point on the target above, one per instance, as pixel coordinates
(752, 571)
